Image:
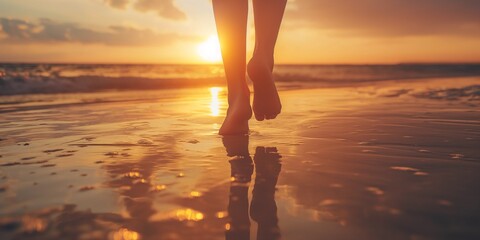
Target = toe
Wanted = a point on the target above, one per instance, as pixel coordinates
(259, 117)
(259, 114)
(268, 117)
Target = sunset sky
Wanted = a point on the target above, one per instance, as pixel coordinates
(171, 31)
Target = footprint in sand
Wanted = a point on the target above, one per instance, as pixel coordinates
(112, 154)
(48, 165)
(9, 164)
(86, 188)
(64, 155)
(53, 150)
(144, 142)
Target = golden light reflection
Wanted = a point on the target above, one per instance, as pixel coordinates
(132, 174)
(160, 187)
(215, 102)
(222, 214)
(125, 234)
(195, 194)
(189, 215)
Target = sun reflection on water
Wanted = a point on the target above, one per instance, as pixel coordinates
(189, 215)
(215, 102)
(132, 174)
(125, 234)
(195, 194)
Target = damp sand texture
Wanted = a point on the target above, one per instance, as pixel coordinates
(392, 160)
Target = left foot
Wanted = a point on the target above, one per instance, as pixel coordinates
(266, 102)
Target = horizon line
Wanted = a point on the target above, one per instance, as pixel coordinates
(284, 64)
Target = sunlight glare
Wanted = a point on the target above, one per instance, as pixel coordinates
(189, 215)
(125, 234)
(210, 50)
(215, 102)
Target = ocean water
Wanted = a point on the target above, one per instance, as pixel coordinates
(64, 78)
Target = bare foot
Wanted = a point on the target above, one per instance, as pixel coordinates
(266, 102)
(238, 114)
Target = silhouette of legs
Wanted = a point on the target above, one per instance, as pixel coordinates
(231, 21)
(263, 208)
(268, 17)
(241, 173)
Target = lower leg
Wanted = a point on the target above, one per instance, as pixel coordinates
(231, 21)
(268, 17)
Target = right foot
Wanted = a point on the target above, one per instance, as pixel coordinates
(266, 102)
(238, 114)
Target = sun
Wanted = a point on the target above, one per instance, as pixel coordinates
(210, 50)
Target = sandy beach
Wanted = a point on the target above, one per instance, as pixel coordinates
(390, 160)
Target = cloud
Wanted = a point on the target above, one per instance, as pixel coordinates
(120, 4)
(48, 31)
(163, 8)
(390, 17)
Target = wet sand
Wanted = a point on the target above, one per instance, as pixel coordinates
(394, 160)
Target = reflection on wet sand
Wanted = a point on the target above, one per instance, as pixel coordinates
(263, 208)
(200, 214)
(136, 189)
(357, 168)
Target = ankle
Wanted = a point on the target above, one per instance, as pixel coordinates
(260, 58)
(239, 95)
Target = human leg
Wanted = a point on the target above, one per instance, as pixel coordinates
(268, 17)
(231, 20)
